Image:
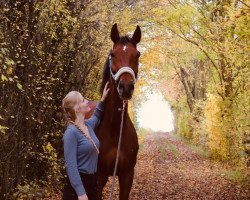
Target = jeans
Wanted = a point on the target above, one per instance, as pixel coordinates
(89, 183)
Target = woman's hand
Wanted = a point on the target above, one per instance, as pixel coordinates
(105, 92)
(83, 197)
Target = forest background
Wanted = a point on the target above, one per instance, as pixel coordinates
(196, 53)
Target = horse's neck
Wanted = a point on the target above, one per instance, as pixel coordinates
(113, 109)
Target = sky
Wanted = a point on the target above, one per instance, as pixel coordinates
(155, 114)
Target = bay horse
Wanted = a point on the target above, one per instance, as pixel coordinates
(120, 69)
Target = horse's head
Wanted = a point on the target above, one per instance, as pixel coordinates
(124, 61)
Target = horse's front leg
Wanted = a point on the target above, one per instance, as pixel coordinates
(125, 184)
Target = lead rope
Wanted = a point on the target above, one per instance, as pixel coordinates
(118, 152)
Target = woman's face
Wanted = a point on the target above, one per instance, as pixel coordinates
(83, 106)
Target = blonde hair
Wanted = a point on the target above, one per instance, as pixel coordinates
(69, 103)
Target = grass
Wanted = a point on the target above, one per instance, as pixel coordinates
(196, 148)
(199, 150)
(167, 145)
(173, 149)
(234, 172)
(234, 175)
(239, 175)
(161, 148)
(141, 147)
(142, 134)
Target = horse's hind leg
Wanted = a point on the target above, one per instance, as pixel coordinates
(102, 180)
(125, 183)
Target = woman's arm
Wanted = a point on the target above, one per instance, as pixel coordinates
(97, 115)
(70, 157)
(105, 92)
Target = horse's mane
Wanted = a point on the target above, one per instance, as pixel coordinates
(106, 71)
(105, 74)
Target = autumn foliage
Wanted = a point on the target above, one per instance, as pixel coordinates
(195, 52)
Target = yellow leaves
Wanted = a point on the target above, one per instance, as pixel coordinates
(131, 112)
(9, 70)
(3, 129)
(29, 190)
(217, 138)
(50, 152)
(48, 148)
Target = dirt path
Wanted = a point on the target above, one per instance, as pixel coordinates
(168, 169)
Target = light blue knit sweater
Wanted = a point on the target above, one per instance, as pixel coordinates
(79, 153)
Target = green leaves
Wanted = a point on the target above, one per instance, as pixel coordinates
(20, 87)
(205, 47)
(46, 50)
(4, 78)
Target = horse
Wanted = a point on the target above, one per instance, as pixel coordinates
(120, 70)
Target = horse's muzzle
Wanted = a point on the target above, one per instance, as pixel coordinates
(125, 90)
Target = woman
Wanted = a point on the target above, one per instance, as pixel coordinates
(81, 147)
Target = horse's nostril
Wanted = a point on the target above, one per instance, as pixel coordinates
(126, 89)
(120, 86)
(132, 87)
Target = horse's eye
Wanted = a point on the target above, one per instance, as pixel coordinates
(112, 55)
(138, 54)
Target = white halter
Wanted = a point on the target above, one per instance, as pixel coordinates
(121, 71)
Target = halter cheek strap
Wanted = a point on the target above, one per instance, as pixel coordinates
(121, 71)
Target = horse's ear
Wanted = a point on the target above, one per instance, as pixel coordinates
(115, 34)
(137, 35)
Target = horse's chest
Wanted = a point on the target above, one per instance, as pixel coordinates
(127, 158)
(109, 146)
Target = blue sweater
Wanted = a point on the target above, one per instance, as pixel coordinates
(79, 153)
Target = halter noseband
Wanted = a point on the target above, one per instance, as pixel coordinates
(122, 70)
